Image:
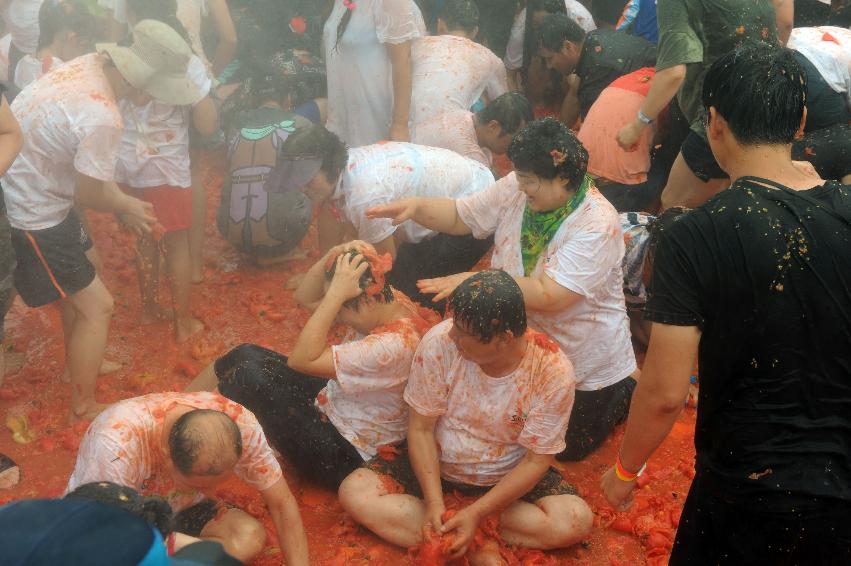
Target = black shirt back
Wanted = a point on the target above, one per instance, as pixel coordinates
(765, 272)
(607, 55)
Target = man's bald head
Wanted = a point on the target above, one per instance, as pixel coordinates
(204, 442)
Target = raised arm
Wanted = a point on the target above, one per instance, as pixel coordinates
(438, 214)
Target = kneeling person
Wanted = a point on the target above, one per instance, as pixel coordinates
(184, 445)
(327, 409)
(490, 402)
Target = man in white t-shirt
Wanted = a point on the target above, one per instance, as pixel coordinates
(490, 401)
(477, 136)
(328, 408)
(345, 183)
(450, 70)
(829, 50)
(72, 131)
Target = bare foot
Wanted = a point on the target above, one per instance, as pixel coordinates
(188, 327)
(198, 275)
(155, 314)
(87, 414)
(487, 555)
(106, 367)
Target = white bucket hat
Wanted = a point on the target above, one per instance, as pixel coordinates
(156, 63)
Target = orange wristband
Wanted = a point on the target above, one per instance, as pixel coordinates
(623, 474)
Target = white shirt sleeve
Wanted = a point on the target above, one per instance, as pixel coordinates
(397, 21)
(482, 211)
(514, 50)
(372, 363)
(497, 83)
(97, 151)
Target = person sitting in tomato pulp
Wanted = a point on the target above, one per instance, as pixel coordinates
(326, 408)
(489, 406)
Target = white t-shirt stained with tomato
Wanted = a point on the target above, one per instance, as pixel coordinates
(364, 402)
(71, 124)
(584, 256)
(487, 424)
(452, 73)
(124, 445)
(456, 131)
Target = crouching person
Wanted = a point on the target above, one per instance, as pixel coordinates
(489, 406)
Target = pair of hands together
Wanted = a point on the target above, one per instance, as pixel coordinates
(460, 526)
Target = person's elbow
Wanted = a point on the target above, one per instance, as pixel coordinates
(673, 75)
(298, 362)
(667, 401)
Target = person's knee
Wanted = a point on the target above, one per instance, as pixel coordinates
(354, 492)
(571, 524)
(96, 305)
(246, 538)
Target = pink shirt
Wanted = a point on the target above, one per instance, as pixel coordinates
(124, 445)
(454, 130)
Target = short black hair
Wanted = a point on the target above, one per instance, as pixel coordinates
(367, 279)
(488, 304)
(557, 29)
(608, 11)
(154, 510)
(549, 6)
(511, 110)
(70, 15)
(760, 91)
(317, 141)
(188, 440)
(548, 148)
(460, 14)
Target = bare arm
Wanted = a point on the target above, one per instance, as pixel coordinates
(226, 31)
(11, 138)
(400, 59)
(205, 117)
(545, 295)
(570, 104)
(387, 246)
(331, 231)
(285, 514)
(107, 197)
(785, 10)
(660, 396)
(438, 214)
(422, 448)
(663, 88)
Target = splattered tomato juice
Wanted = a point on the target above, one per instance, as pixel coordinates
(241, 303)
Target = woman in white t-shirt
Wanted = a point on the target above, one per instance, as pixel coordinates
(367, 48)
(67, 31)
(328, 409)
(561, 240)
(154, 165)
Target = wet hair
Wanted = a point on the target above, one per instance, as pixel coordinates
(367, 279)
(511, 110)
(549, 149)
(56, 16)
(496, 17)
(760, 91)
(164, 11)
(557, 29)
(608, 11)
(189, 440)
(460, 14)
(530, 40)
(488, 304)
(316, 141)
(154, 510)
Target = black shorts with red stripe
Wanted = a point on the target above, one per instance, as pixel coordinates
(52, 263)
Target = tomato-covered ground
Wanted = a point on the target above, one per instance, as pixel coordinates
(241, 303)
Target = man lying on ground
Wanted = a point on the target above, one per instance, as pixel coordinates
(490, 402)
(326, 408)
(182, 446)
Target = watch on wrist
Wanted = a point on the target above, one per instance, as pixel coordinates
(644, 118)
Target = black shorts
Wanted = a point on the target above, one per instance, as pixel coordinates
(7, 270)
(718, 528)
(52, 263)
(399, 469)
(439, 256)
(700, 159)
(282, 399)
(829, 150)
(595, 415)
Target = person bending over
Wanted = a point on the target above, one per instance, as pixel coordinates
(489, 404)
(184, 445)
(326, 408)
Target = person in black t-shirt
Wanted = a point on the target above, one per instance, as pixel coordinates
(757, 283)
(589, 62)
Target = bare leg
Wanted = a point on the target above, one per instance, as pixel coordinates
(199, 221)
(396, 518)
(553, 522)
(684, 188)
(205, 381)
(180, 273)
(85, 345)
(148, 268)
(242, 535)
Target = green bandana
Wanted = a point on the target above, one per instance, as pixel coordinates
(539, 228)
